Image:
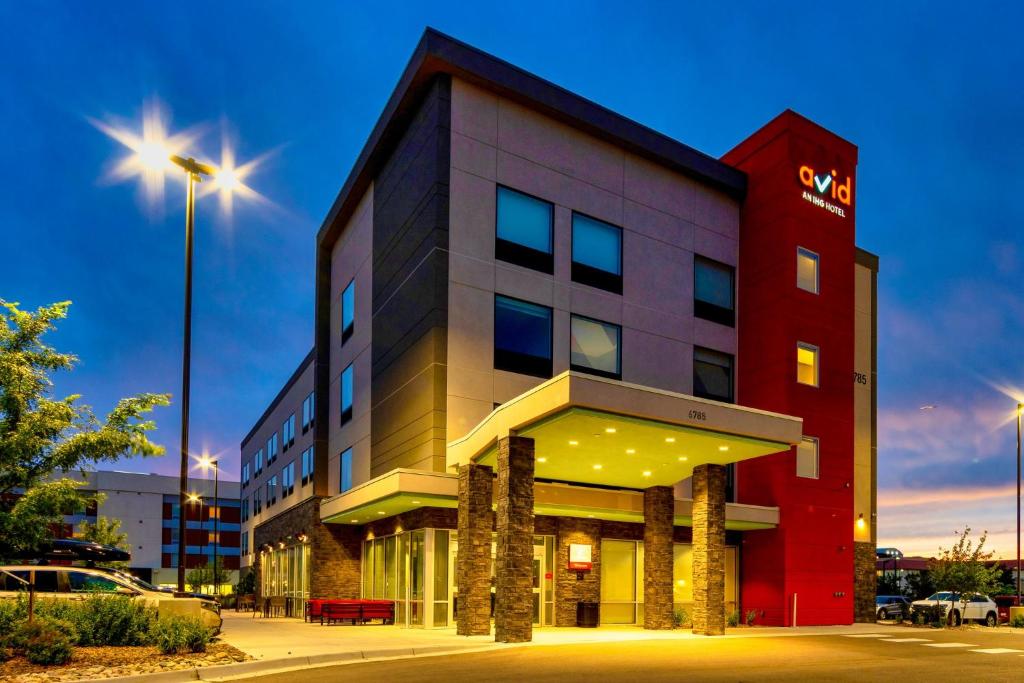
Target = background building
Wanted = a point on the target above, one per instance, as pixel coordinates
(147, 507)
(666, 359)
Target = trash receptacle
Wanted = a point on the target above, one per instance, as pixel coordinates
(587, 615)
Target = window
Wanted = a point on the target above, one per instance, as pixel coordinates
(258, 463)
(807, 270)
(288, 479)
(348, 311)
(307, 413)
(288, 433)
(46, 581)
(245, 509)
(81, 582)
(346, 394)
(257, 504)
(345, 478)
(245, 542)
(712, 375)
(272, 448)
(595, 347)
(523, 230)
(307, 466)
(272, 490)
(714, 291)
(245, 474)
(522, 337)
(596, 253)
(807, 364)
(807, 458)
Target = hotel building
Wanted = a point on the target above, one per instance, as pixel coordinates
(563, 360)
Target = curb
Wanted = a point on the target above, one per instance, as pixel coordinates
(244, 669)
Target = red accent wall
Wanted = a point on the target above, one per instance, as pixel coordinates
(810, 554)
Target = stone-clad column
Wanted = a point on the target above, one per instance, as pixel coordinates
(473, 563)
(513, 600)
(709, 550)
(659, 513)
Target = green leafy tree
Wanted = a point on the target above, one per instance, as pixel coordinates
(107, 531)
(204, 576)
(966, 568)
(42, 436)
(919, 585)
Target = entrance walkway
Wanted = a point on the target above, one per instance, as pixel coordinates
(277, 638)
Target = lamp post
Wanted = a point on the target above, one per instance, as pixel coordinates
(206, 463)
(1020, 408)
(195, 172)
(195, 499)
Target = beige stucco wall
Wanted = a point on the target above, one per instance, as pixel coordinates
(352, 257)
(665, 217)
(863, 405)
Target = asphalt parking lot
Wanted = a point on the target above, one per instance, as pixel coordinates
(887, 653)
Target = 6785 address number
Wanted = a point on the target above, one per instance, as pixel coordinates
(699, 415)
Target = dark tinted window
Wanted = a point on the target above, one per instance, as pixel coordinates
(9, 583)
(712, 375)
(714, 291)
(522, 337)
(46, 581)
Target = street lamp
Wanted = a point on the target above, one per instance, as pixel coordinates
(206, 463)
(154, 152)
(1020, 408)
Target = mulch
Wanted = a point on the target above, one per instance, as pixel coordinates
(110, 662)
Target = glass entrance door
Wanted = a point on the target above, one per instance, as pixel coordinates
(539, 572)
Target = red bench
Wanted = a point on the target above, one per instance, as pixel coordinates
(336, 610)
(330, 611)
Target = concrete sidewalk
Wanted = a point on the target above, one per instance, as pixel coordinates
(279, 644)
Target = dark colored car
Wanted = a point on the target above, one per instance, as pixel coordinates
(1003, 605)
(892, 607)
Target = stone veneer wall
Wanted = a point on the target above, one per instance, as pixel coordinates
(709, 550)
(569, 588)
(864, 582)
(513, 609)
(476, 520)
(335, 554)
(659, 511)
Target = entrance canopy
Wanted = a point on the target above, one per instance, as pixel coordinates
(603, 432)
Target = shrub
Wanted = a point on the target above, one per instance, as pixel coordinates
(751, 615)
(680, 618)
(179, 634)
(935, 615)
(12, 612)
(1017, 621)
(44, 640)
(734, 619)
(103, 619)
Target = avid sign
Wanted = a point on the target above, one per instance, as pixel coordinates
(826, 190)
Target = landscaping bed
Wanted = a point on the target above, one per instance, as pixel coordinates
(110, 662)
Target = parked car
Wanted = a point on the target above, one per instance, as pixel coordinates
(75, 583)
(977, 608)
(1004, 603)
(892, 607)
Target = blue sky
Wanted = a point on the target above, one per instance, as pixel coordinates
(929, 91)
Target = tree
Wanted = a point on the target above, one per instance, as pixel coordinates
(204, 576)
(41, 436)
(108, 532)
(965, 568)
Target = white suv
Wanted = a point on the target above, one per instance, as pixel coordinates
(75, 583)
(977, 608)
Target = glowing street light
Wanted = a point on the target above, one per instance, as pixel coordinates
(206, 463)
(154, 152)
